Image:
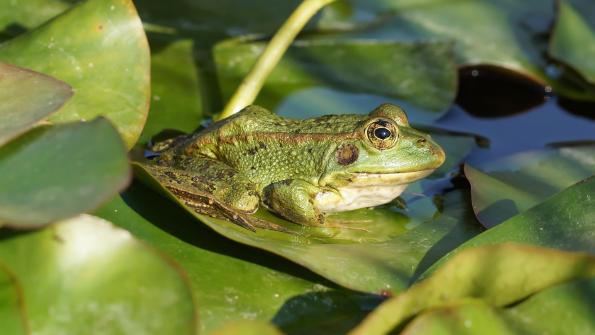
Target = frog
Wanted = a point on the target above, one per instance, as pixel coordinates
(301, 170)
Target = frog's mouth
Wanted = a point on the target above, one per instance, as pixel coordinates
(367, 190)
(363, 179)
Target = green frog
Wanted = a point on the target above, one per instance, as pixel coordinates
(299, 169)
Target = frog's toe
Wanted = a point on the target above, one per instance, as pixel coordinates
(251, 222)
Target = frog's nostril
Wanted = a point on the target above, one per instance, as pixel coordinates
(421, 140)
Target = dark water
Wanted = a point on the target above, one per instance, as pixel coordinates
(515, 114)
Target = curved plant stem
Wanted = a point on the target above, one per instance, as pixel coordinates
(252, 84)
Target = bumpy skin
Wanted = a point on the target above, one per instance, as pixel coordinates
(257, 157)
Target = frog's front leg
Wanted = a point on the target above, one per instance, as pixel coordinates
(213, 188)
(293, 199)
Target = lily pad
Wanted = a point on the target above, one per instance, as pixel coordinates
(564, 221)
(51, 173)
(176, 94)
(562, 309)
(27, 97)
(498, 274)
(100, 49)
(12, 318)
(573, 40)
(327, 76)
(366, 253)
(507, 34)
(85, 276)
(209, 20)
(247, 328)
(466, 317)
(26, 14)
(377, 250)
(231, 281)
(514, 184)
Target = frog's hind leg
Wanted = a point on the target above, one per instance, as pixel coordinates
(212, 208)
(214, 189)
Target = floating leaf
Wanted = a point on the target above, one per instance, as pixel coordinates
(269, 288)
(85, 276)
(565, 221)
(29, 13)
(516, 30)
(27, 97)
(247, 328)
(322, 313)
(562, 309)
(100, 49)
(211, 20)
(12, 316)
(176, 100)
(370, 251)
(498, 274)
(512, 185)
(469, 316)
(51, 173)
(573, 40)
(327, 76)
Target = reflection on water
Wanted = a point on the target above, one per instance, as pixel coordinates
(534, 129)
(488, 91)
(514, 114)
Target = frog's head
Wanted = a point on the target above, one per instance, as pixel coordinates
(384, 150)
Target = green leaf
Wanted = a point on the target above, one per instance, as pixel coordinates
(322, 313)
(516, 30)
(331, 76)
(498, 274)
(565, 221)
(27, 97)
(210, 20)
(246, 327)
(469, 316)
(230, 281)
(371, 250)
(100, 49)
(26, 14)
(470, 24)
(51, 173)
(12, 316)
(562, 309)
(514, 184)
(176, 100)
(85, 276)
(573, 40)
(381, 249)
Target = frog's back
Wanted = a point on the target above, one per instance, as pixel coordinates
(257, 120)
(265, 146)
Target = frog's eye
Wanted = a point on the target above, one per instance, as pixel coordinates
(382, 133)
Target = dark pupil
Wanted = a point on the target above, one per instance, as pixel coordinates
(382, 133)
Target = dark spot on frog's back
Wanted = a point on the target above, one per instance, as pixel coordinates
(347, 154)
(172, 176)
(252, 151)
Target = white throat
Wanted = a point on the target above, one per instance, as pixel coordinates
(366, 190)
